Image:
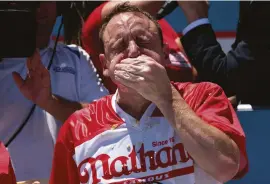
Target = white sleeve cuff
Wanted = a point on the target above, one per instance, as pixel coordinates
(194, 24)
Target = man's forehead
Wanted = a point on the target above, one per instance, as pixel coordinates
(128, 20)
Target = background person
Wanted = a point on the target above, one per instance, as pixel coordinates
(243, 70)
(57, 92)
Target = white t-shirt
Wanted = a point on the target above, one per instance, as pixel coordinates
(72, 77)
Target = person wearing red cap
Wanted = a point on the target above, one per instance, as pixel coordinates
(178, 67)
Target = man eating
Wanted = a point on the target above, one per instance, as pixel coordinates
(150, 130)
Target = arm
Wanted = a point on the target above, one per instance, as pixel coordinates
(211, 63)
(206, 54)
(61, 108)
(89, 87)
(211, 149)
(37, 87)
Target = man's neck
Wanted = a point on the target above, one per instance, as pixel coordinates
(132, 103)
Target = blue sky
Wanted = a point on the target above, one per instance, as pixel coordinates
(223, 16)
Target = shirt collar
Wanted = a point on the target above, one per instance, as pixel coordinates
(128, 118)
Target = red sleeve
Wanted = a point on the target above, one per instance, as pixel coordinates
(64, 169)
(7, 175)
(215, 109)
(90, 31)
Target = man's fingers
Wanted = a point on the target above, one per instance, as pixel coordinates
(134, 61)
(45, 78)
(124, 82)
(34, 62)
(29, 63)
(117, 59)
(18, 79)
(127, 77)
(139, 61)
(129, 68)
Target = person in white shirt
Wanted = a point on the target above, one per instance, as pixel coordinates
(56, 92)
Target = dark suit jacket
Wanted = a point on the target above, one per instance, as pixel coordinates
(253, 24)
(243, 71)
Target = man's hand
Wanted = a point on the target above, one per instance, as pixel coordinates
(37, 88)
(194, 10)
(37, 85)
(146, 76)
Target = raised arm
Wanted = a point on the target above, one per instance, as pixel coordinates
(205, 53)
(37, 88)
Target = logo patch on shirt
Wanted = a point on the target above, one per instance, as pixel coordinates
(65, 69)
(125, 165)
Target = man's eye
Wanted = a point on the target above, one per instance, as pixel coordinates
(142, 42)
(118, 45)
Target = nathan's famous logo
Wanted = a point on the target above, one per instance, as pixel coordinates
(155, 160)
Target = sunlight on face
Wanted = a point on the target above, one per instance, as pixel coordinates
(132, 34)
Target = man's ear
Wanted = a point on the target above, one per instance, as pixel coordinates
(104, 62)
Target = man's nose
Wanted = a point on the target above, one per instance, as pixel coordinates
(133, 50)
